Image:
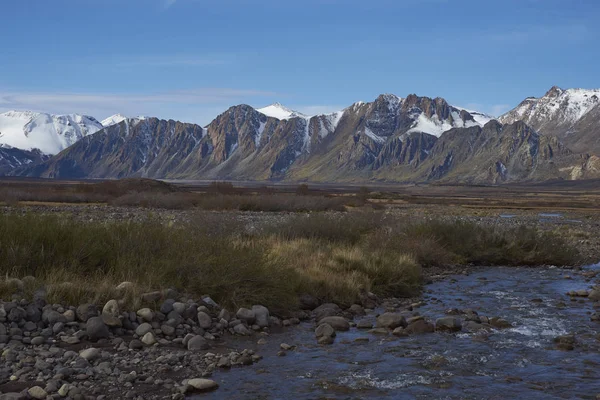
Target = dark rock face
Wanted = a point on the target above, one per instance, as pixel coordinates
(13, 160)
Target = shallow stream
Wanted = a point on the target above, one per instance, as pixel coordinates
(520, 362)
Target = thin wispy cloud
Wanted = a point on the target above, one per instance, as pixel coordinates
(318, 109)
(167, 60)
(169, 3)
(196, 105)
(561, 33)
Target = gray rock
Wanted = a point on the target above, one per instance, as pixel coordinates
(419, 326)
(202, 385)
(16, 314)
(246, 315)
(326, 310)
(204, 320)
(448, 324)
(197, 343)
(391, 321)
(308, 302)
(136, 345)
(224, 314)
(240, 329)
(111, 308)
(90, 354)
(364, 324)
(143, 329)
(594, 295)
(146, 314)
(324, 329)
(325, 340)
(337, 323)
(38, 340)
(167, 330)
(167, 306)
(96, 329)
(261, 314)
(148, 339)
(151, 297)
(37, 392)
(500, 323)
(179, 307)
(86, 311)
(357, 309)
(51, 317)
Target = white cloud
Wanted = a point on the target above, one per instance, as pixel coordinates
(169, 3)
(169, 61)
(318, 109)
(498, 109)
(558, 33)
(199, 105)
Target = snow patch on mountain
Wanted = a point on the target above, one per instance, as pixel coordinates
(376, 138)
(27, 130)
(479, 117)
(435, 127)
(118, 118)
(328, 123)
(558, 105)
(259, 132)
(279, 111)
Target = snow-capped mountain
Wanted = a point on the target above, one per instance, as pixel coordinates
(118, 118)
(279, 111)
(48, 133)
(401, 139)
(571, 115)
(557, 106)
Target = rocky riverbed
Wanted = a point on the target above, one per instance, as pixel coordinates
(510, 331)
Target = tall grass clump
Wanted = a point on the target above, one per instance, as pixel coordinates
(435, 243)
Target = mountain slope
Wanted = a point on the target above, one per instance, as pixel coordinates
(133, 147)
(391, 139)
(571, 115)
(13, 160)
(48, 133)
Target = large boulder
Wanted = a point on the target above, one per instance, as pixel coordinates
(111, 308)
(324, 330)
(95, 328)
(197, 343)
(326, 310)
(261, 314)
(337, 323)
(391, 321)
(419, 326)
(246, 315)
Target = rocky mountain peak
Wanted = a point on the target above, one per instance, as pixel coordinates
(554, 91)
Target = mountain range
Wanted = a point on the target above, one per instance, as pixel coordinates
(410, 139)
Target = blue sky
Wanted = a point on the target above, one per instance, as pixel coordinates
(191, 59)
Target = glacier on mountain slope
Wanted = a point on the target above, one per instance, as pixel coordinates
(277, 110)
(27, 130)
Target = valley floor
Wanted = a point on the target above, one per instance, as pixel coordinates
(73, 333)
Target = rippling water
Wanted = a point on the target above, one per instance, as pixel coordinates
(519, 362)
